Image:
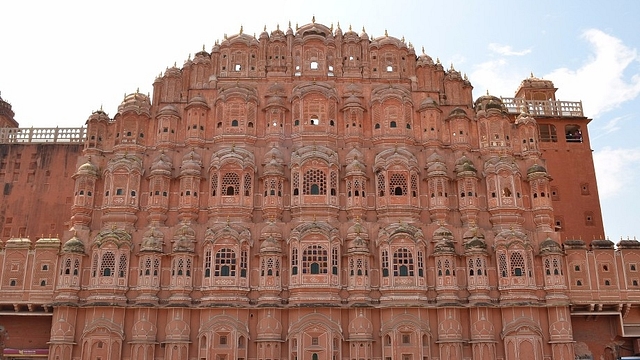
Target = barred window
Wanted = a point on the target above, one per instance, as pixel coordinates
(122, 265)
(381, 184)
(214, 184)
(334, 183)
(225, 263)
(67, 267)
(315, 181)
(517, 264)
(348, 188)
(414, 185)
(420, 264)
(243, 263)
(296, 183)
(314, 260)
(95, 265)
(334, 261)
(76, 267)
(230, 184)
(557, 268)
(402, 262)
(294, 261)
(385, 263)
(502, 262)
(398, 184)
(207, 263)
(247, 185)
(108, 264)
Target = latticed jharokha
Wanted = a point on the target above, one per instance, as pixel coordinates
(313, 194)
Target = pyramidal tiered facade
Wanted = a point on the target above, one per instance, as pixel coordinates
(314, 195)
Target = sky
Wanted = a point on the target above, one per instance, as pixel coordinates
(61, 60)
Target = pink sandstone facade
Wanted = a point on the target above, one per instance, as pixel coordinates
(313, 194)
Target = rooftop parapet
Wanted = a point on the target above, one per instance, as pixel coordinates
(42, 135)
(544, 107)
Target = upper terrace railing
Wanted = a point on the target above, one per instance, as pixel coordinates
(42, 135)
(544, 107)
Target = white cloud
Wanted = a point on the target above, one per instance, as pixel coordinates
(506, 50)
(600, 82)
(616, 169)
(495, 76)
(611, 126)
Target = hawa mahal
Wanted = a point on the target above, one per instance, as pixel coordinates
(312, 194)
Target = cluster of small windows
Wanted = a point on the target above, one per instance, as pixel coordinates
(314, 182)
(403, 263)
(315, 260)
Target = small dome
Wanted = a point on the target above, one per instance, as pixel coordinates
(197, 100)
(184, 239)
(270, 245)
(137, 103)
(73, 245)
(550, 246)
(98, 116)
(357, 238)
(169, 110)
(489, 102)
(87, 169)
(428, 102)
(161, 165)
(424, 59)
(536, 168)
(355, 167)
(191, 164)
(457, 112)
(464, 165)
(442, 233)
(152, 240)
(602, 244)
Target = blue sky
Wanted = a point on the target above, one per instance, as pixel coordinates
(61, 60)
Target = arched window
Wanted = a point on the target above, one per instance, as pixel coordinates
(403, 262)
(398, 184)
(108, 264)
(517, 264)
(315, 182)
(234, 123)
(315, 260)
(230, 184)
(393, 124)
(225, 262)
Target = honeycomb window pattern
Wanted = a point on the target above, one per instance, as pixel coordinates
(398, 184)
(315, 182)
(230, 184)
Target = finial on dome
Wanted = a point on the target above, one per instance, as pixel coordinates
(423, 50)
(277, 26)
(225, 36)
(175, 64)
(386, 33)
(189, 57)
(202, 47)
(350, 29)
(137, 90)
(465, 77)
(313, 19)
(487, 91)
(363, 30)
(331, 27)
(289, 24)
(532, 75)
(451, 68)
(402, 39)
(297, 27)
(100, 107)
(241, 29)
(438, 60)
(265, 28)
